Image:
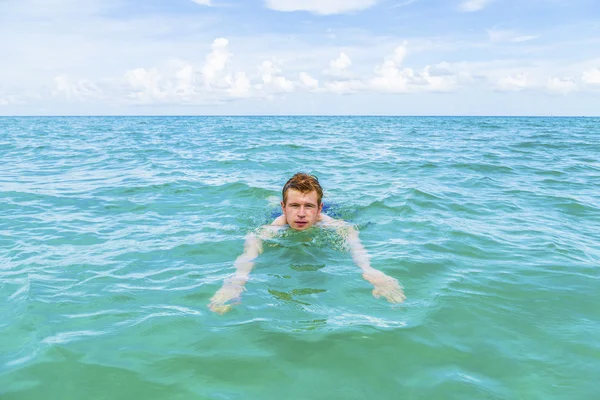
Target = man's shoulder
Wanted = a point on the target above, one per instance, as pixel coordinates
(279, 221)
(266, 232)
(326, 220)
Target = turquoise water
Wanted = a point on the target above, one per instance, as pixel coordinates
(115, 232)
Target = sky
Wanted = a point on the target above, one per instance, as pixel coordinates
(300, 57)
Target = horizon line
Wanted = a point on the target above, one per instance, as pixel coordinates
(294, 115)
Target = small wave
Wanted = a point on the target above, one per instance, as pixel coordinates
(484, 168)
(385, 211)
(162, 188)
(67, 337)
(241, 190)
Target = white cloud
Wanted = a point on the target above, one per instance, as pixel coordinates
(141, 79)
(22, 99)
(79, 90)
(179, 84)
(240, 85)
(513, 83)
(437, 79)
(342, 62)
(339, 66)
(185, 80)
(561, 85)
(389, 77)
(497, 35)
(591, 76)
(344, 87)
(271, 79)
(145, 85)
(203, 2)
(216, 62)
(283, 84)
(321, 7)
(399, 54)
(473, 5)
(308, 81)
(174, 82)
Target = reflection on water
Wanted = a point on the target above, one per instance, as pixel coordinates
(317, 237)
(290, 296)
(307, 267)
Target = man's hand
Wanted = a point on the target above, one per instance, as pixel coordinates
(385, 286)
(229, 291)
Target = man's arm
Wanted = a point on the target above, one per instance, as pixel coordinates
(233, 286)
(384, 285)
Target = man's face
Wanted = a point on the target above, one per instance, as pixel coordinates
(301, 210)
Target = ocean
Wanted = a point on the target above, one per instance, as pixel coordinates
(115, 232)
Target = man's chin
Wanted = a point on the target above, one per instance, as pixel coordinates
(302, 227)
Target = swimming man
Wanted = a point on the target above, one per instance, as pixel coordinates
(302, 206)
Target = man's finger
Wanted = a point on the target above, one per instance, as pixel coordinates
(220, 308)
(396, 297)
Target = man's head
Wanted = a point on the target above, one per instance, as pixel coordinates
(301, 204)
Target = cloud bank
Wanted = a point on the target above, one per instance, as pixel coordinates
(217, 80)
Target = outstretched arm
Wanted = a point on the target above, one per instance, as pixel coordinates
(234, 285)
(384, 285)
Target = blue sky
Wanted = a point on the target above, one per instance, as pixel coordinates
(230, 57)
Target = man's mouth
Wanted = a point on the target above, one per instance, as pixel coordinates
(301, 223)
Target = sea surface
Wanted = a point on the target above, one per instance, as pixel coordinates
(115, 232)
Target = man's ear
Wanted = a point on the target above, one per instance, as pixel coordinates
(283, 207)
(320, 208)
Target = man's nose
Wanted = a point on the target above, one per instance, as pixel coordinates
(301, 211)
